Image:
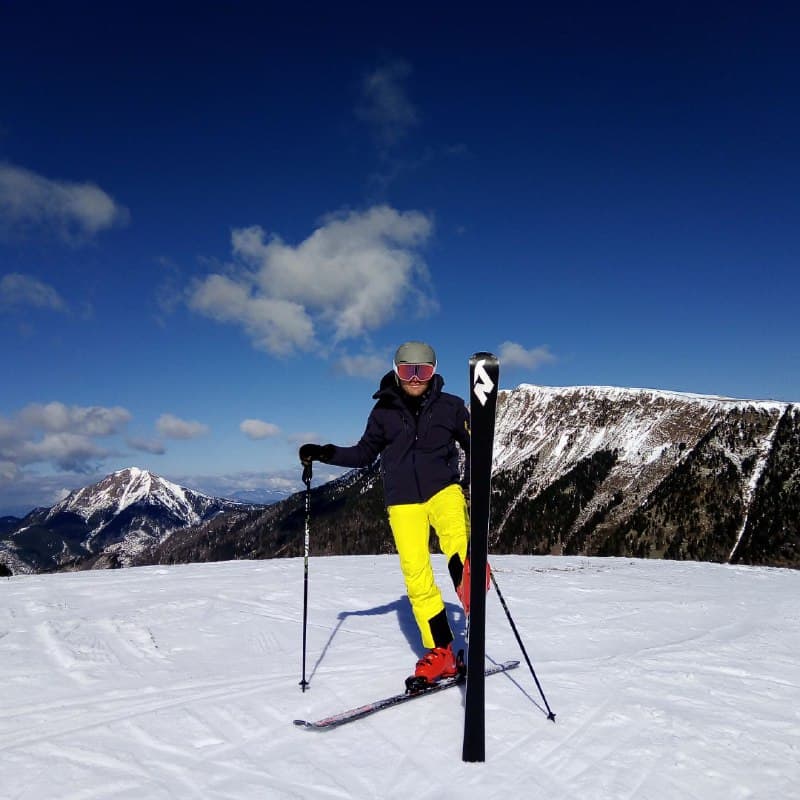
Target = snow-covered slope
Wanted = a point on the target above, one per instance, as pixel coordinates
(670, 681)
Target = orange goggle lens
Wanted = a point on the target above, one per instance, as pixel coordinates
(420, 372)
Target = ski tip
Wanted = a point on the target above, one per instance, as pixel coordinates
(302, 723)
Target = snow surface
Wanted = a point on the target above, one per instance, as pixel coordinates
(669, 680)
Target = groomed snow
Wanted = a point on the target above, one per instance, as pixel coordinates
(669, 680)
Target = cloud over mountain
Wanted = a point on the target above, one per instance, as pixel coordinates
(57, 434)
(513, 354)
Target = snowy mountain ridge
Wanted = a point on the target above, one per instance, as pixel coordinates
(638, 470)
(116, 492)
(622, 392)
(652, 420)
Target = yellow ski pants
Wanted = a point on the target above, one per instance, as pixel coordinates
(447, 512)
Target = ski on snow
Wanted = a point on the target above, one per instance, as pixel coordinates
(378, 705)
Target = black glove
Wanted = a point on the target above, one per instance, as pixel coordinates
(316, 452)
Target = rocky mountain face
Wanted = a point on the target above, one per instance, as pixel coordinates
(107, 524)
(603, 471)
(582, 470)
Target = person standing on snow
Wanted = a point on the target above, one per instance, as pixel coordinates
(414, 427)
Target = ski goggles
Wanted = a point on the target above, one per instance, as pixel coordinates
(410, 372)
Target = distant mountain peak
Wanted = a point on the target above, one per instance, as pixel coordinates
(126, 487)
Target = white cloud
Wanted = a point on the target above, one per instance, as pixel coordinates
(82, 420)
(8, 471)
(350, 276)
(384, 103)
(28, 489)
(69, 451)
(10, 433)
(71, 210)
(286, 481)
(24, 290)
(513, 354)
(153, 446)
(58, 434)
(172, 427)
(257, 429)
(275, 325)
(364, 366)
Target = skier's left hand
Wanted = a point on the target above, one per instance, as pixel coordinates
(315, 452)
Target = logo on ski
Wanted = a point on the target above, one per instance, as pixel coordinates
(483, 385)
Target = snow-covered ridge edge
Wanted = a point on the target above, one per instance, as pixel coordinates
(565, 424)
(620, 392)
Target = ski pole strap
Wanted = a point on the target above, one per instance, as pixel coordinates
(307, 473)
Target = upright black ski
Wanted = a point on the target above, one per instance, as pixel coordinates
(484, 374)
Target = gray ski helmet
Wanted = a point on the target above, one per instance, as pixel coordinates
(415, 353)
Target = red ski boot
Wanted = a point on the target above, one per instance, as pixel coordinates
(440, 662)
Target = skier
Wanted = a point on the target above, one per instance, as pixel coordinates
(414, 426)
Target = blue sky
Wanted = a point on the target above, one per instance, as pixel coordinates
(217, 224)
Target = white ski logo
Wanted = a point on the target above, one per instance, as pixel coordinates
(483, 384)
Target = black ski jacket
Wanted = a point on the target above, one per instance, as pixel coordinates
(418, 451)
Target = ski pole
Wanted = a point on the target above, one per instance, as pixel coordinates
(550, 715)
(306, 547)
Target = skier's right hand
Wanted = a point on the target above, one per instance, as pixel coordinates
(315, 452)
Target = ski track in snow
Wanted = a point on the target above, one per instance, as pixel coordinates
(669, 680)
